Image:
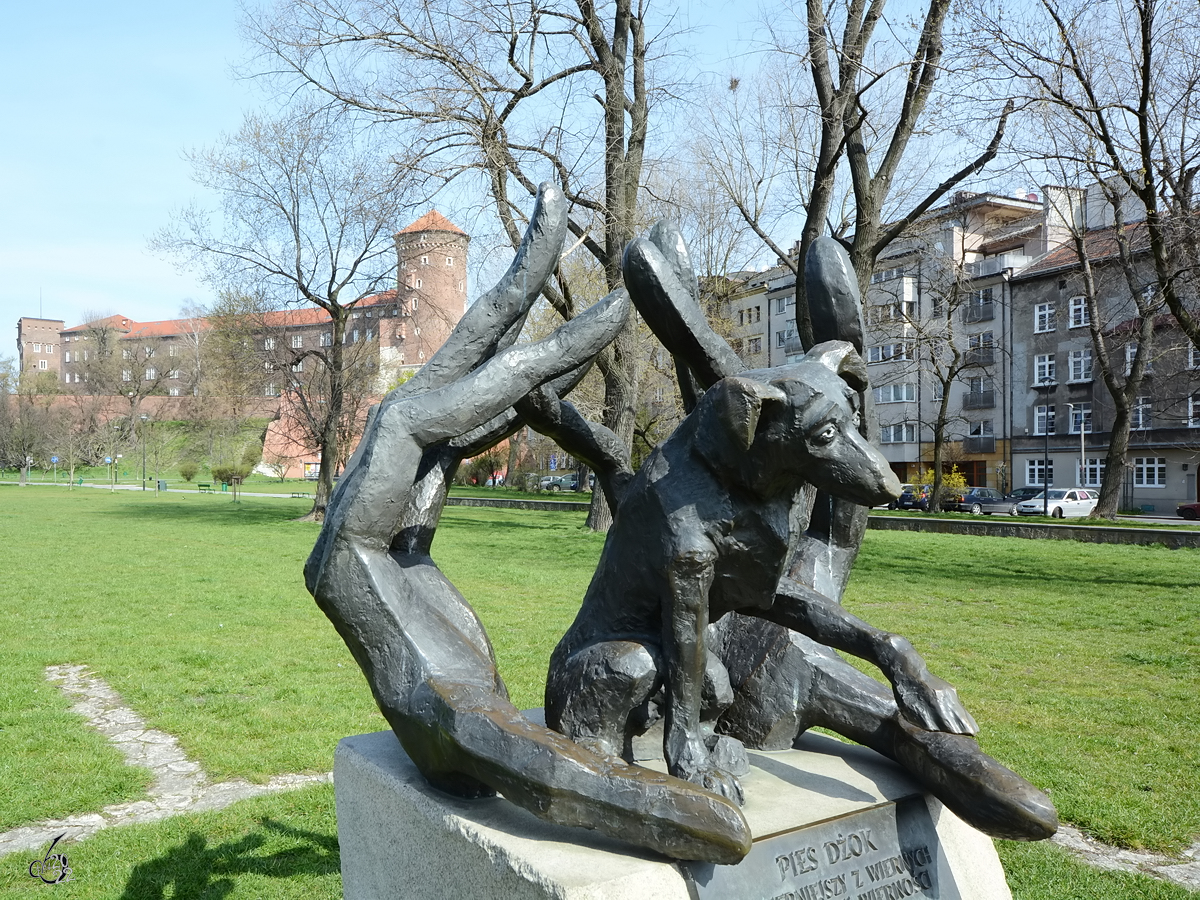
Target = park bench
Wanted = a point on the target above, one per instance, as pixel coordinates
(204, 488)
(298, 495)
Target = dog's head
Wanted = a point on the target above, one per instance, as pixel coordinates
(777, 429)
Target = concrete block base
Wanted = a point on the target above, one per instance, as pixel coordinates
(825, 819)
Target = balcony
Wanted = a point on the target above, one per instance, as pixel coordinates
(979, 400)
(980, 356)
(984, 443)
(996, 264)
(978, 312)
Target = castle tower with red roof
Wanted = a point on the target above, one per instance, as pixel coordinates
(432, 290)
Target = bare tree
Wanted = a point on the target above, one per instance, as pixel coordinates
(1114, 88)
(849, 129)
(547, 90)
(309, 207)
(1111, 90)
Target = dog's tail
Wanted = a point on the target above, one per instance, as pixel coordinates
(455, 729)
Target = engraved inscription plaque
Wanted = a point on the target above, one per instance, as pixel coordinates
(887, 852)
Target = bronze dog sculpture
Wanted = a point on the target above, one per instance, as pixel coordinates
(716, 528)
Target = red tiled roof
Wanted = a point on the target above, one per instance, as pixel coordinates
(432, 221)
(118, 322)
(166, 327)
(1098, 244)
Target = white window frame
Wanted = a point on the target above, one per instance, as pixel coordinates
(1045, 366)
(1034, 474)
(899, 433)
(1141, 415)
(1043, 419)
(1150, 471)
(1194, 411)
(1080, 316)
(1080, 413)
(1094, 467)
(1194, 357)
(1079, 365)
(297, 342)
(269, 343)
(326, 338)
(43, 365)
(1043, 318)
(904, 392)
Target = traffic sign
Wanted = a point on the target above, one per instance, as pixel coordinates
(54, 459)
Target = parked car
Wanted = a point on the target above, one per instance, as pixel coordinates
(556, 483)
(914, 497)
(1188, 510)
(977, 500)
(1060, 503)
(895, 504)
(1024, 493)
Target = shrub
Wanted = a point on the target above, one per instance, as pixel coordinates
(188, 470)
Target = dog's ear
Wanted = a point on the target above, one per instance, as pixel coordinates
(841, 359)
(738, 404)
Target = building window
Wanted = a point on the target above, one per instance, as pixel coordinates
(297, 341)
(1080, 317)
(67, 356)
(1141, 414)
(781, 305)
(354, 338)
(741, 317)
(173, 374)
(888, 352)
(126, 353)
(37, 348)
(326, 339)
(896, 393)
(424, 260)
(271, 391)
(1093, 472)
(412, 305)
(980, 348)
(1194, 357)
(1150, 471)
(1043, 368)
(1081, 415)
(174, 392)
(149, 351)
(151, 373)
(298, 366)
(780, 338)
(50, 349)
(900, 433)
(1043, 317)
(1043, 420)
(449, 260)
(269, 343)
(1194, 411)
(1080, 364)
(1131, 350)
(126, 375)
(1039, 471)
(754, 345)
(42, 364)
(172, 350)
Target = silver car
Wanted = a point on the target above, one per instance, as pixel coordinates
(1060, 503)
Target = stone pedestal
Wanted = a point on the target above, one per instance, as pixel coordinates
(829, 820)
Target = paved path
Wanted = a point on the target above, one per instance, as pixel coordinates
(179, 785)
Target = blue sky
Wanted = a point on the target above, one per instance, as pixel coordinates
(98, 101)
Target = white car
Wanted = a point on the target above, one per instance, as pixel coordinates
(1070, 503)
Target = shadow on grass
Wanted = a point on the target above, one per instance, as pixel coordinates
(220, 511)
(194, 870)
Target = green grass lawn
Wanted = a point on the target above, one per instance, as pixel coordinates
(1080, 661)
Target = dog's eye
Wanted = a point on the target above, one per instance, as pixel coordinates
(826, 434)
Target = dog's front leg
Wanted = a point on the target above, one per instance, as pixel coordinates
(685, 619)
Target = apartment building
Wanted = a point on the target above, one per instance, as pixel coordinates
(1064, 435)
(975, 319)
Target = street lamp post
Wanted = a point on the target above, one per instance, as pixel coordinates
(1046, 382)
(144, 419)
